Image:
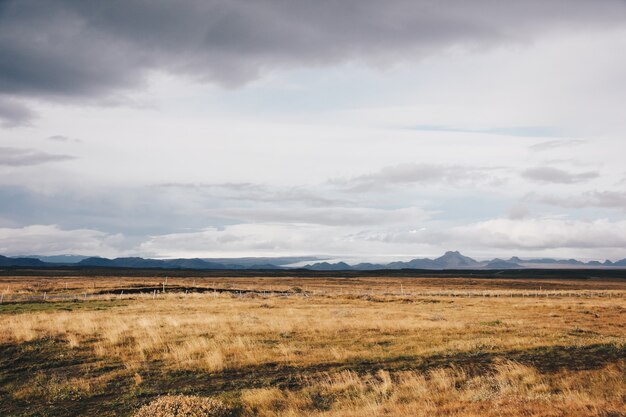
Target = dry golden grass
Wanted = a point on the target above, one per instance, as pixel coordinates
(203, 331)
(510, 389)
(329, 326)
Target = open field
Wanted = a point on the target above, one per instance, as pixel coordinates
(306, 346)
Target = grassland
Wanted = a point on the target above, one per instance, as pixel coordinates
(293, 346)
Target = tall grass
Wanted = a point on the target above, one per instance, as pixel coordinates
(509, 389)
(226, 332)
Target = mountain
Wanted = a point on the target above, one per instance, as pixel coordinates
(449, 260)
(620, 263)
(366, 266)
(553, 261)
(5, 261)
(96, 261)
(325, 266)
(58, 259)
(502, 264)
(256, 261)
(194, 263)
(454, 260)
(414, 264)
(180, 263)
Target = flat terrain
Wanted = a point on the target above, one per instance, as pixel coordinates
(454, 345)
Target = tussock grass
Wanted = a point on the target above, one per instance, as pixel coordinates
(510, 389)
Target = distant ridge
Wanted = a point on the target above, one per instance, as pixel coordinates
(181, 263)
(455, 260)
(5, 261)
(451, 260)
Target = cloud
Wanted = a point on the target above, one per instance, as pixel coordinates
(404, 174)
(553, 144)
(602, 199)
(13, 114)
(332, 216)
(506, 236)
(61, 138)
(258, 193)
(22, 157)
(540, 234)
(522, 131)
(245, 239)
(496, 237)
(557, 176)
(518, 212)
(52, 240)
(86, 48)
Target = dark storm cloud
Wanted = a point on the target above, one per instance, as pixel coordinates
(89, 48)
(558, 176)
(16, 157)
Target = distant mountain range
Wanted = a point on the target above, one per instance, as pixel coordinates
(137, 262)
(450, 260)
(455, 260)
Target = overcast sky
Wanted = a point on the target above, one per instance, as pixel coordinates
(360, 129)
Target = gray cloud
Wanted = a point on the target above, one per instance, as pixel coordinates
(332, 216)
(85, 48)
(258, 193)
(557, 176)
(418, 174)
(61, 138)
(21, 157)
(52, 240)
(602, 199)
(14, 114)
(553, 144)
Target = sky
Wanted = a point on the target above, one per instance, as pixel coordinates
(356, 129)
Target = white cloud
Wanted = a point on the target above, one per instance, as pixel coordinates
(557, 176)
(332, 216)
(51, 240)
(538, 234)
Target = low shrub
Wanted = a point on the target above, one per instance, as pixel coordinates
(184, 406)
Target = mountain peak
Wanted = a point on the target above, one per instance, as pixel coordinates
(453, 259)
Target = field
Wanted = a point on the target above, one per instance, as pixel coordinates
(312, 346)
